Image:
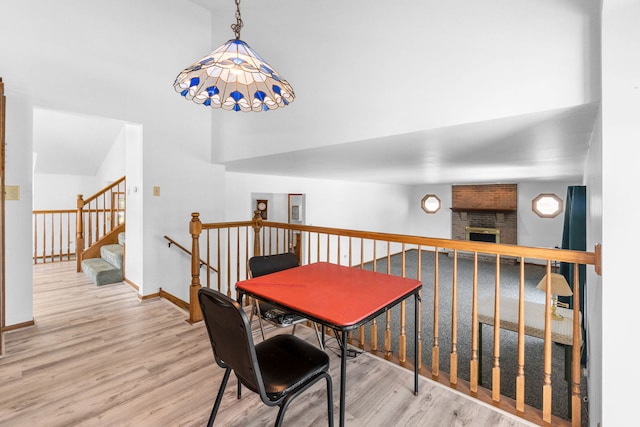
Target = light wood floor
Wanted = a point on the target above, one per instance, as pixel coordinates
(97, 356)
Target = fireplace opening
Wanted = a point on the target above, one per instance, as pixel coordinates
(482, 234)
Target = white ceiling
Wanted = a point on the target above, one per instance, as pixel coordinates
(71, 144)
(551, 145)
(542, 145)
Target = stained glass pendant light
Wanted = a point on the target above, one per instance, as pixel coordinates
(234, 77)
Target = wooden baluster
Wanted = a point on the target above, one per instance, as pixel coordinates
(53, 239)
(237, 259)
(228, 260)
(576, 401)
(546, 387)
(68, 236)
(473, 364)
(435, 349)
(257, 226)
(219, 284)
(103, 216)
(89, 237)
(495, 389)
(112, 209)
(328, 246)
(35, 238)
(208, 259)
(79, 233)
(402, 344)
(60, 237)
(453, 364)
(387, 335)
(520, 376)
(374, 323)
(195, 228)
(44, 238)
(96, 236)
(299, 247)
(387, 328)
(419, 308)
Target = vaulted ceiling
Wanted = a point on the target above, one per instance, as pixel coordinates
(406, 93)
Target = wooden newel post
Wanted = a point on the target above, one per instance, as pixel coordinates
(195, 228)
(79, 232)
(257, 225)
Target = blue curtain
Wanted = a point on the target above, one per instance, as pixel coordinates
(574, 236)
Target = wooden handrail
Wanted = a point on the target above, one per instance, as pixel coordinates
(111, 186)
(232, 243)
(559, 255)
(202, 262)
(102, 211)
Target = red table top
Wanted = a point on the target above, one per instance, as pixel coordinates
(338, 295)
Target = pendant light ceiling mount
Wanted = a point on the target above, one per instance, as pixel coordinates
(234, 77)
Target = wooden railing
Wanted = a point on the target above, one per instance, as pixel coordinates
(228, 246)
(53, 233)
(99, 215)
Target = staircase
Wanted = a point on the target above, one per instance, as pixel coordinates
(109, 267)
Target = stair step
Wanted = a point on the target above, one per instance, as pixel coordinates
(101, 272)
(113, 254)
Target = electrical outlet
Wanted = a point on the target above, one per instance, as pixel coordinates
(156, 190)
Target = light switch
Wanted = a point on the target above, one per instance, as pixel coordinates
(12, 192)
(156, 191)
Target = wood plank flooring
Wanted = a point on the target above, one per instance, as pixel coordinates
(98, 356)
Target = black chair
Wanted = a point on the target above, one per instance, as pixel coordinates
(267, 264)
(279, 369)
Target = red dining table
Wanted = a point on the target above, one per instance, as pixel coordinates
(342, 298)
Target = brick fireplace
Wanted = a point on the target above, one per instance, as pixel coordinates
(485, 212)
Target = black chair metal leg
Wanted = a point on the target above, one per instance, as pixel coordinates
(216, 406)
(329, 399)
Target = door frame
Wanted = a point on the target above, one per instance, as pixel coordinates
(3, 105)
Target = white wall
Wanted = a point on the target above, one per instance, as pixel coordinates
(18, 171)
(620, 175)
(536, 231)
(385, 208)
(113, 165)
(134, 135)
(329, 203)
(593, 315)
(432, 225)
(116, 60)
(61, 191)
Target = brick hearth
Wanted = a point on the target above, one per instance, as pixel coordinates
(487, 206)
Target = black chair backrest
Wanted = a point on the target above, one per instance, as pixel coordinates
(266, 264)
(230, 337)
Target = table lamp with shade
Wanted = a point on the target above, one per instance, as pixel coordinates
(559, 287)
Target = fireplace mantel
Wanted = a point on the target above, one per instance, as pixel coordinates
(484, 210)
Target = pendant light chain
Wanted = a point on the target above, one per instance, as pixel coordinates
(238, 25)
